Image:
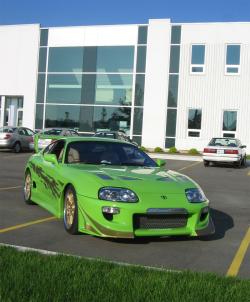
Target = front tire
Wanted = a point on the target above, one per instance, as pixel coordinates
(70, 212)
(27, 190)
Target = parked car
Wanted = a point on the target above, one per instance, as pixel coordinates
(110, 188)
(115, 135)
(16, 138)
(225, 150)
(44, 137)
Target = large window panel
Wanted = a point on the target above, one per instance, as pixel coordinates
(115, 59)
(171, 122)
(44, 37)
(229, 120)
(39, 116)
(141, 59)
(65, 59)
(42, 59)
(142, 34)
(114, 89)
(88, 118)
(138, 118)
(173, 90)
(176, 35)
(174, 59)
(194, 119)
(169, 142)
(64, 88)
(40, 88)
(139, 89)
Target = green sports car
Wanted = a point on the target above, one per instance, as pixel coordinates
(109, 188)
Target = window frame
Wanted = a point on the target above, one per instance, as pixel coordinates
(191, 129)
(203, 66)
(228, 131)
(232, 65)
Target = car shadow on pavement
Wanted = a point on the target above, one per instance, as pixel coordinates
(222, 222)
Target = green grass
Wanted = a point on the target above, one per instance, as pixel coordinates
(248, 156)
(29, 276)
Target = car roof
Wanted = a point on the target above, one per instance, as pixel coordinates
(70, 139)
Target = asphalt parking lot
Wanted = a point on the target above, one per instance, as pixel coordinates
(226, 252)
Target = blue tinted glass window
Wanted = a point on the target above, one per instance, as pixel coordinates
(65, 59)
(174, 59)
(115, 58)
(64, 88)
(176, 35)
(114, 89)
(139, 89)
(142, 34)
(229, 120)
(198, 54)
(42, 59)
(138, 117)
(39, 116)
(194, 119)
(171, 122)
(233, 55)
(141, 59)
(40, 88)
(88, 118)
(173, 90)
(169, 142)
(44, 37)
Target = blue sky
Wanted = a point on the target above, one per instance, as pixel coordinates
(88, 12)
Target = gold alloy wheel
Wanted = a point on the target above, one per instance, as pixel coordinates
(69, 211)
(27, 186)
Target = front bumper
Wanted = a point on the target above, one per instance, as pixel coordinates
(122, 225)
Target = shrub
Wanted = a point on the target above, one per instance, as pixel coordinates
(158, 150)
(248, 156)
(172, 150)
(193, 151)
(144, 149)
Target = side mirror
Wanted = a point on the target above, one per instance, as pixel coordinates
(51, 158)
(160, 162)
(243, 146)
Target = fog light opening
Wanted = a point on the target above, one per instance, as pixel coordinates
(109, 212)
(204, 214)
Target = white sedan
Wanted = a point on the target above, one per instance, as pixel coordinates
(225, 150)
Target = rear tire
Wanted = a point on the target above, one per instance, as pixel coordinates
(244, 161)
(70, 211)
(27, 189)
(17, 147)
(206, 163)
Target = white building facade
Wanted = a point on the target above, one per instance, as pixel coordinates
(164, 84)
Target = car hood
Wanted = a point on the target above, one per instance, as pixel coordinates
(139, 179)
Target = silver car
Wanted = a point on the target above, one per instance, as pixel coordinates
(16, 138)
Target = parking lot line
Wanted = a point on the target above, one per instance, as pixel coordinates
(10, 188)
(189, 166)
(239, 256)
(23, 225)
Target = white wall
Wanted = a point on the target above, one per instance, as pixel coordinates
(156, 83)
(18, 65)
(93, 35)
(214, 91)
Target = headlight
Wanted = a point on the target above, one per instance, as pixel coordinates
(117, 194)
(195, 195)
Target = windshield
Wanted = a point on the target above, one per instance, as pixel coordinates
(107, 153)
(223, 142)
(7, 130)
